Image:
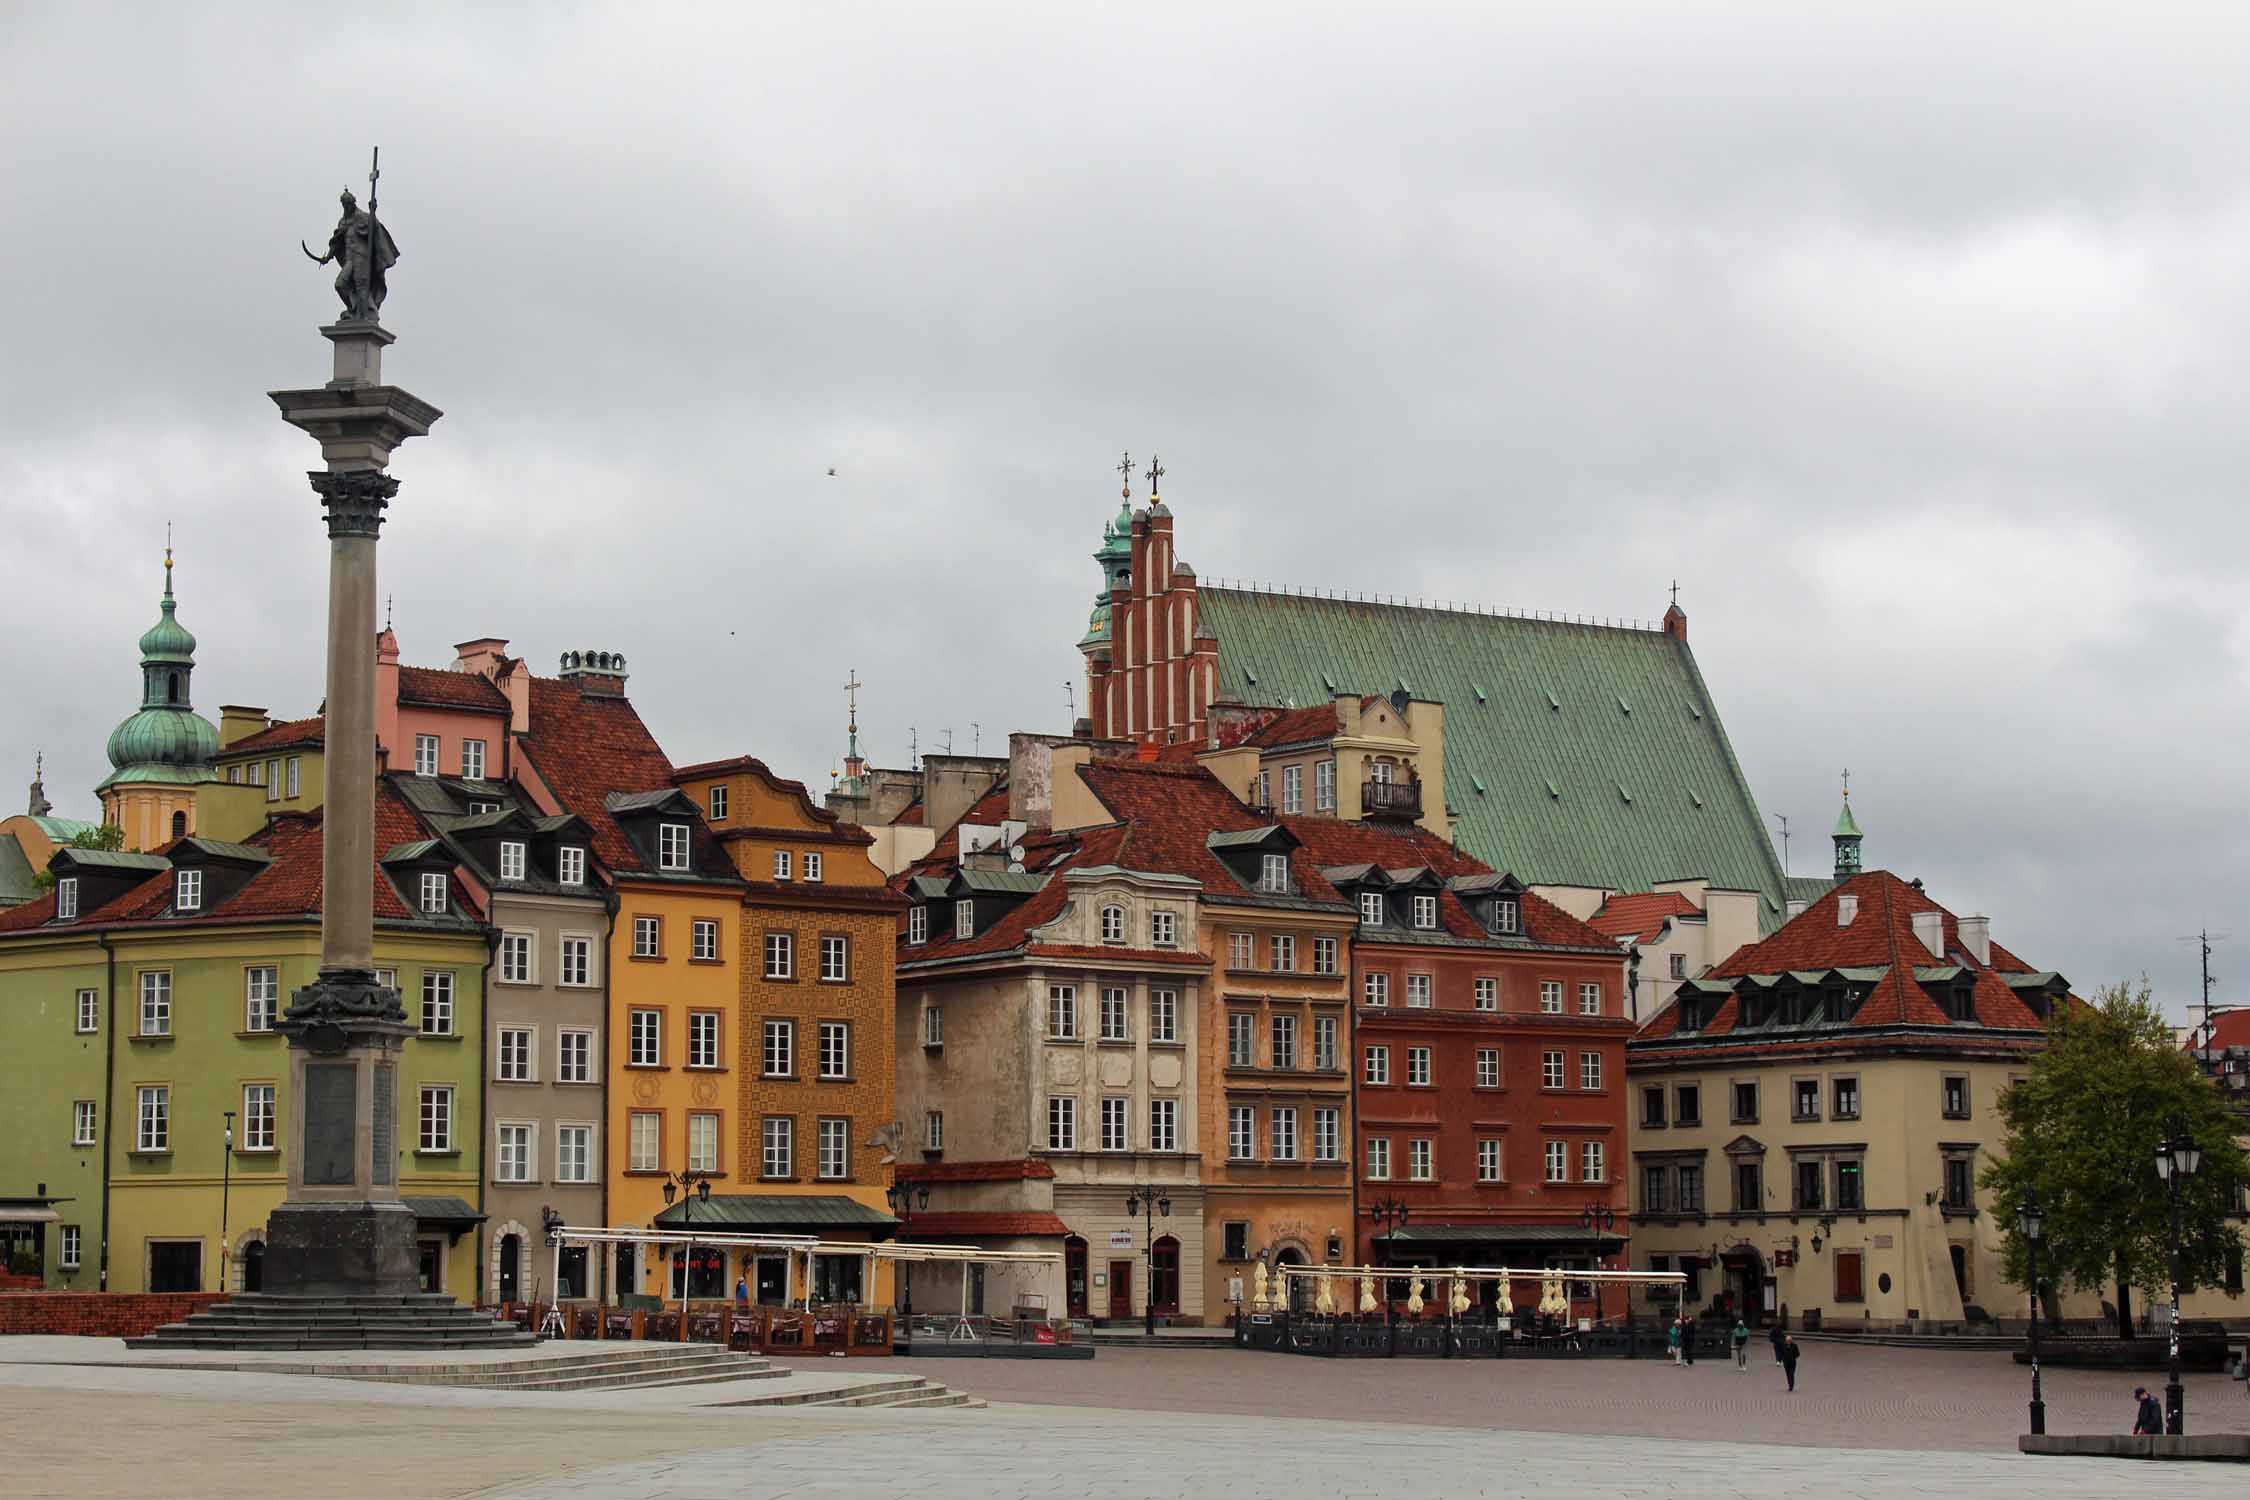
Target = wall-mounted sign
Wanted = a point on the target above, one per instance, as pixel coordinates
(1121, 1239)
(1883, 1242)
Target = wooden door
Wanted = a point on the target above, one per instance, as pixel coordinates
(1121, 1289)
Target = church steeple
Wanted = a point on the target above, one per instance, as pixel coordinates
(164, 751)
(1847, 836)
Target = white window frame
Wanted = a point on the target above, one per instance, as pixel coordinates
(472, 760)
(1377, 989)
(1590, 1072)
(433, 1119)
(1062, 1122)
(781, 955)
(1163, 1015)
(1379, 1158)
(575, 953)
(782, 865)
(1488, 1067)
(778, 1044)
(718, 802)
(1324, 785)
(1281, 953)
(777, 1143)
(89, 1011)
(1417, 1067)
(672, 846)
(1376, 1064)
(1327, 1133)
(574, 1151)
(1324, 953)
(1370, 908)
(1242, 1132)
(1281, 1132)
(964, 919)
(1242, 950)
(1281, 1036)
(834, 1162)
(1488, 1159)
(296, 774)
(1554, 1068)
(1550, 997)
(1425, 912)
(1507, 916)
(1421, 1159)
(644, 1141)
(1420, 989)
(703, 1039)
(1488, 992)
(1556, 1157)
(1113, 923)
(703, 939)
(1163, 929)
(1116, 1123)
(1273, 874)
(516, 953)
(66, 898)
(1325, 1032)
(515, 1145)
(152, 1118)
(73, 1246)
(512, 853)
(1593, 1161)
(835, 959)
(1292, 789)
(187, 890)
(515, 1051)
(810, 866)
(570, 865)
(933, 1024)
(261, 997)
(1590, 998)
(1163, 1124)
(85, 1122)
(648, 937)
(1062, 1012)
(703, 1154)
(933, 1130)
(425, 754)
(835, 1050)
(586, 1070)
(155, 990)
(1242, 1039)
(644, 1037)
(1114, 1013)
(918, 923)
(436, 894)
(437, 1002)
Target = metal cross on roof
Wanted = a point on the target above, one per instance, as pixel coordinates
(1125, 467)
(1155, 472)
(1675, 593)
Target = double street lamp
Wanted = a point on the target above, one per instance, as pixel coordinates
(1392, 1215)
(1148, 1202)
(904, 1200)
(690, 1188)
(2177, 1157)
(2031, 1222)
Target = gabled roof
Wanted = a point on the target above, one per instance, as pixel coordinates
(586, 747)
(1175, 810)
(1635, 915)
(1045, 855)
(218, 849)
(294, 735)
(434, 687)
(1407, 855)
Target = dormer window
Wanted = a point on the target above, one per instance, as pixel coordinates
(1507, 915)
(719, 802)
(478, 807)
(964, 918)
(918, 924)
(511, 859)
(1273, 874)
(187, 890)
(1425, 912)
(671, 846)
(1371, 908)
(1113, 924)
(570, 865)
(1961, 1002)
(435, 896)
(66, 898)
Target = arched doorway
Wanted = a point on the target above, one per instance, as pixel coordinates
(511, 1268)
(1164, 1275)
(1074, 1275)
(1290, 1255)
(1745, 1273)
(254, 1266)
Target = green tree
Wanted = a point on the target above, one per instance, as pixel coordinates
(100, 836)
(2083, 1128)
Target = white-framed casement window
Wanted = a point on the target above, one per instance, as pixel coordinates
(644, 1031)
(296, 774)
(1558, 1161)
(436, 1117)
(472, 760)
(1379, 1158)
(1418, 991)
(156, 1002)
(386, 978)
(933, 1130)
(1550, 997)
(781, 955)
(1589, 1070)
(933, 1024)
(1377, 988)
(1327, 1137)
(514, 1141)
(1282, 1125)
(1062, 1012)
(1284, 1039)
(1324, 1033)
(1488, 992)
(257, 773)
(1163, 929)
(1242, 1132)
(1418, 1067)
(1242, 1039)
(644, 1136)
(703, 1039)
(1590, 999)
(89, 1011)
(1370, 908)
(437, 1002)
(1062, 1123)
(436, 893)
(574, 1153)
(1551, 1069)
(1113, 923)
(703, 1142)
(1273, 874)
(425, 754)
(1507, 916)
(258, 1116)
(918, 924)
(648, 937)
(1264, 796)
(73, 1243)
(1592, 1165)
(153, 1118)
(577, 955)
(1163, 1015)
(1240, 949)
(718, 802)
(1421, 1159)
(781, 864)
(1163, 1124)
(1378, 1064)
(703, 939)
(479, 806)
(1488, 1161)
(1488, 1067)
(261, 997)
(781, 1049)
(964, 918)
(1116, 1014)
(85, 1122)
(511, 859)
(1324, 955)
(187, 890)
(835, 1049)
(1324, 786)
(671, 846)
(1117, 1132)
(570, 865)
(1292, 789)
(1425, 912)
(574, 1055)
(1281, 953)
(835, 959)
(513, 1053)
(835, 1149)
(812, 864)
(66, 898)
(515, 958)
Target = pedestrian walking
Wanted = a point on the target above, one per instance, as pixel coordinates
(1672, 1340)
(1774, 1337)
(2148, 1417)
(742, 1291)
(1789, 1361)
(1741, 1345)
(1687, 1339)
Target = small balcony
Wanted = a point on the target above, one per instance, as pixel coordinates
(1390, 799)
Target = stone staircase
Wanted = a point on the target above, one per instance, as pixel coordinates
(263, 1320)
(589, 1368)
(904, 1391)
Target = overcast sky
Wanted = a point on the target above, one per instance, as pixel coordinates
(1911, 344)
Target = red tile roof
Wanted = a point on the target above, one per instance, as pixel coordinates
(437, 688)
(1009, 1169)
(1172, 810)
(1394, 846)
(1294, 726)
(584, 748)
(989, 810)
(292, 735)
(1043, 853)
(983, 1225)
(2229, 1028)
(1636, 914)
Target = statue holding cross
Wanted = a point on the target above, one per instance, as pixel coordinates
(363, 251)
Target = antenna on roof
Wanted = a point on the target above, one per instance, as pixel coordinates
(949, 741)
(1783, 820)
(913, 749)
(977, 730)
(1070, 696)
(2204, 939)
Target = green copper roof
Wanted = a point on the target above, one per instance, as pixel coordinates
(62, 830)
(1532, 714)
(1847, 826)
(17, 884)
(167, 640)
(166, 741)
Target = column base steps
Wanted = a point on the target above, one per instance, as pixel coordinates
(265, 1320)
(907, 1391)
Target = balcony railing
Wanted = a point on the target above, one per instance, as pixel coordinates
(1390, 799)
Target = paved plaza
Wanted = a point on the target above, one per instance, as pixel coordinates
(1130, 1423)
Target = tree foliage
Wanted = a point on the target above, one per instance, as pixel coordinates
(2082, 1132)
(100, 836)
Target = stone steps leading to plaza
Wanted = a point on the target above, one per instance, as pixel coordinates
(259, 1320)
(906, 1391)
(623, 1369)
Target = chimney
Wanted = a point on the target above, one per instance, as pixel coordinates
(482, 656)
(599, 674)
(1976, 937)
(1929, 926)
(1847, 910)
(237, 722)
(1792, 910)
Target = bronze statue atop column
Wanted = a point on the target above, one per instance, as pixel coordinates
(364, 253)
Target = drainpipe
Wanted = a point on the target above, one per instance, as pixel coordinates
(484, 1089)
(109, 1089)
(610, 905)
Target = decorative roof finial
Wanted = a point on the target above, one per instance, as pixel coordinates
(167, 559)
(853, 765)
(1675, 593)
(1125, 467)
(1155, 473)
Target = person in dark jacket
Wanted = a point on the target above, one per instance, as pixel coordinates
(1789, 1361)
(1774, 1336)
(2148, 1417)
(1687, 1339)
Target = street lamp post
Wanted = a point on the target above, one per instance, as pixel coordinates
(1598, 1219)
(226, 1182)
(2177, 1157)
(1148, 1202)
(2030, 1223)
(688, 1187)
(900, 1195)
(1391, 1214)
